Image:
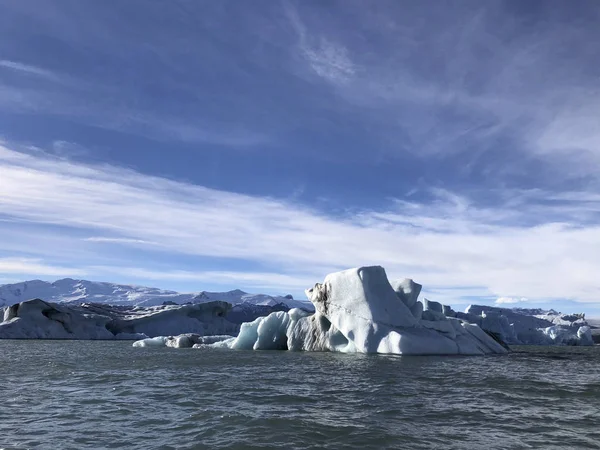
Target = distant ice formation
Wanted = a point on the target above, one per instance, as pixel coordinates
(37, 319)
(358, 310)
(530, 326)
(186, 340)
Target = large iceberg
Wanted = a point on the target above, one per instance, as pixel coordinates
(358, 310)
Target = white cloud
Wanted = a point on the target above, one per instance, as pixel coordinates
(327, 59)
(190, 131)
(93, 103)
(510, 300)
(28, 266)
(476, 80)
(256, 280)
(29, 69)
(65, 149)
(450, 244)
(113, 240)
(573, 134)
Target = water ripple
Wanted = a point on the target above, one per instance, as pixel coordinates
(96, 395)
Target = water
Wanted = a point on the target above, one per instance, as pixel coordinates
(96, 395)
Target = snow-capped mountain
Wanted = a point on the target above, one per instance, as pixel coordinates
(79, 291)
(237, 296)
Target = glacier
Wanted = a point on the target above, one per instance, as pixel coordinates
(358, 310)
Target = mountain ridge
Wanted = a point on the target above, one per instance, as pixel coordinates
(70, 290)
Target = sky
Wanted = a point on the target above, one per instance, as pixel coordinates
(262, 145)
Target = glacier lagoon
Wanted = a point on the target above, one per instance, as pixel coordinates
(338, 394)
(108, 394)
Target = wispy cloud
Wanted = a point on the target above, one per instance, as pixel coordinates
(510, 300)
(66, 149)
(29, 266)
(469, 94)
(113, 240)
(113, 107)
(29, 69)
(257, 280)
(231, 135)
(327, 59)
(573, 134)
(447, 242)
(462, 80)
(90, 104)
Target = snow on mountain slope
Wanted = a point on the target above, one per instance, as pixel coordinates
(79, 291)
(237, 296)
(69, 290)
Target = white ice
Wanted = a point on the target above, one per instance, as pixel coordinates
(182, 341)
(37, 319)
(530, 326)
(358, 310)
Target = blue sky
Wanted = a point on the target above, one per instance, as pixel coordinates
(261, 145)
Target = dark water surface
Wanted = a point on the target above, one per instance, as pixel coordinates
(101, 395)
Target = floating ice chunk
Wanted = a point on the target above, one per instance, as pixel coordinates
(264, 333)
(293, 330)
(159, 341)
(181, 341)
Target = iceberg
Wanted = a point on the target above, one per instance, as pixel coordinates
(358, 310)
(522, 326)
(37, 319)
(187, 340)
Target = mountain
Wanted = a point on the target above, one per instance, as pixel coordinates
(68, 290)
(237, 296)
